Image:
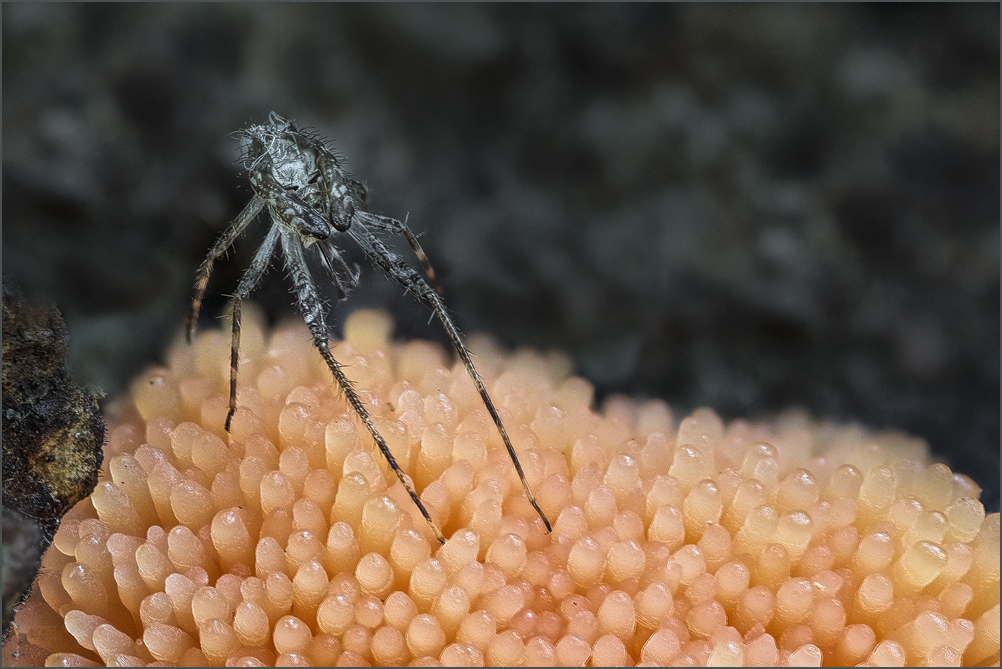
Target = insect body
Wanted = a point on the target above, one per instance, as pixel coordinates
(313, 202)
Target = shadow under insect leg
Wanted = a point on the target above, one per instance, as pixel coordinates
(224, 242)
(244, 288)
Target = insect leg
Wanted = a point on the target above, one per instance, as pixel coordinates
(416, 285)
(313, 314)
(436, 304)
(244, 288)
(333, 261)
(224, 242)
(392, 225)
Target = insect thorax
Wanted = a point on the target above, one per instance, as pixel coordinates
(301, 163)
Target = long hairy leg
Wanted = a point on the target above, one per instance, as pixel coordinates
(392, 225)
(335, 265)
(417, 286)
(436, 304)
(313, 313)
(244, 288)
(224, 242)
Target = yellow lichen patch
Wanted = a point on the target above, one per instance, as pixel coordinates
(289, 541)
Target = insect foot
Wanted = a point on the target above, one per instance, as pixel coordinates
(314, 205)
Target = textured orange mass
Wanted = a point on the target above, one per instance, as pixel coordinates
(290, 542)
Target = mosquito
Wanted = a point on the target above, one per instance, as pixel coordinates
(313, 203)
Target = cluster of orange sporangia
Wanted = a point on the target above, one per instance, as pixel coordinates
(289, 541)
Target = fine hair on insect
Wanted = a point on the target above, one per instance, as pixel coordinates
(313, 203)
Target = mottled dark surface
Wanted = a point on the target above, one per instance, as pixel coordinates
(23, 546)
(52, 440)
(740, 206)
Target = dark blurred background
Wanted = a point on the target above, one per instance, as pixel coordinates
(741, 206)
